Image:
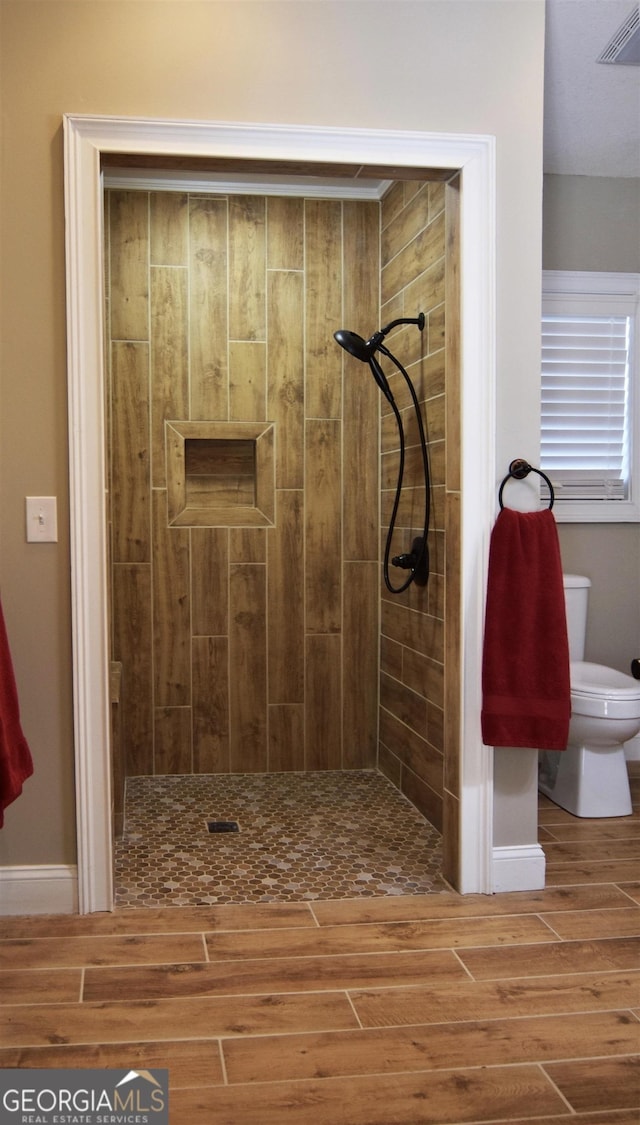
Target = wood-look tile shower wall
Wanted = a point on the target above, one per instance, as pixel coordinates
(244, 648)
(419, 671)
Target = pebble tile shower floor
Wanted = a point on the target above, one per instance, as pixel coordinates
(301, 836)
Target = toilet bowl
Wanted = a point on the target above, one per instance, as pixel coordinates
(590, 777)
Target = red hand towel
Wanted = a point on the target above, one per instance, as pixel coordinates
(525, 671)
(16, 764)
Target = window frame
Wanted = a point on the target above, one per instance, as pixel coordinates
(564, 288)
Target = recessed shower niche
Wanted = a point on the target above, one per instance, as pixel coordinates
(219, 474)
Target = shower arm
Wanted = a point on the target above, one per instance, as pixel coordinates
(375, 342)
(419, 320)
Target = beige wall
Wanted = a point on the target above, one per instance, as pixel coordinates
(591, 223)
(473, 66)
(609, 554)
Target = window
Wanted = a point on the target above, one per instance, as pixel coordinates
(590, 439)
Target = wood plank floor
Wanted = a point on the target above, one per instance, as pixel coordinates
(416, 1010)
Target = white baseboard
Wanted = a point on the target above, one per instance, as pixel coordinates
(39, 889)
(518, 868)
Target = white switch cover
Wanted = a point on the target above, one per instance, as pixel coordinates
(42, 519)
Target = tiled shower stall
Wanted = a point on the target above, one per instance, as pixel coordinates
(251, 470)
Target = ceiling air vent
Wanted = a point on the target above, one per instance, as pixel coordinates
(624, 47)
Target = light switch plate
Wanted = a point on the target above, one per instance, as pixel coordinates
(42, 519)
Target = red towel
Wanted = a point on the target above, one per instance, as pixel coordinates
(16, 764)
(525, 670)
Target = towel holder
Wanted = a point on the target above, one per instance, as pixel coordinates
(519, 469)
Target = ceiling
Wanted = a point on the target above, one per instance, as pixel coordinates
(592, 109)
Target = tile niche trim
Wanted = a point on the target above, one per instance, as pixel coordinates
(220, 474)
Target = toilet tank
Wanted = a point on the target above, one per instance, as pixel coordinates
(576, 596)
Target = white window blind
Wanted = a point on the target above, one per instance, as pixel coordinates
(590, 399)
(585, 397)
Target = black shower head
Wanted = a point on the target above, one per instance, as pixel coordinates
(364, 349)
(356, 346)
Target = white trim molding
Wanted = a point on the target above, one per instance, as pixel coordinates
(212, 183)
(519, 867)
(86, 138)
(39, 889)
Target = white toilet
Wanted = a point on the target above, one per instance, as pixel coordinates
(590, 777)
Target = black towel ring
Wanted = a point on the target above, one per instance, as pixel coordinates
(519, 469)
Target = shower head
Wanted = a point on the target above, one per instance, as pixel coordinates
(364, 349)
(356, 346)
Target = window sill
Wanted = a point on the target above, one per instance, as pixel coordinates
(596, 511)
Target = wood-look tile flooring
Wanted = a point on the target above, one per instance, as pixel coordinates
(317, 835)
(393, 1010)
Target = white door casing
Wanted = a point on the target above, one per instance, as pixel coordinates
(86, 137)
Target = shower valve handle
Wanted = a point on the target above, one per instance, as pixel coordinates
(405, 562)
(416, 560)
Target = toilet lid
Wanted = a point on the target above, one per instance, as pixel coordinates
(607, 683)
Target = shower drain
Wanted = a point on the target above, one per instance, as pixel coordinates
(223, 826)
